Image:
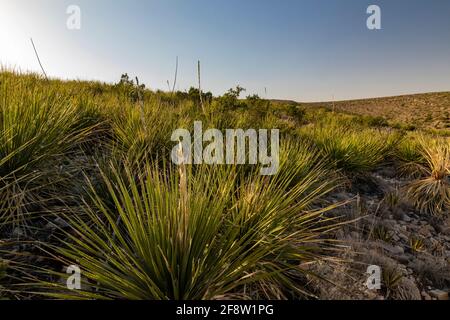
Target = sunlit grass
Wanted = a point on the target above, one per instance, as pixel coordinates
(178, 235)
(352, 150)
(37, 125)
(431, 191)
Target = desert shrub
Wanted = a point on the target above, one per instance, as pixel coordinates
(130, 88)
(382, 233)
(352, 150)
(230, 100)
(408, 149)
(416, 244)
(194, 95)
(182, 235)
(392, 200)
(375, 121)
(140, 133)
(440, 132)
(300, 157)
(296, 112)
(392, 278)
(405, 126)
(431, 192)
(37, 126)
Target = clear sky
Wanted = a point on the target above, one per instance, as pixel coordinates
(306, 50)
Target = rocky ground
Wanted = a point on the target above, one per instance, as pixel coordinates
(411, 248)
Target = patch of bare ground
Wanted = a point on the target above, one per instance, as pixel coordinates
(411, 248)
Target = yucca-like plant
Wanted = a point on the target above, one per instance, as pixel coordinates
(431, 192)
(208, 233)
(298, 158)
(408, 149)
(392, 199)
(392, 278)
(352, 150)
(416, 244)
(382, 233)
(37, 125)
(141, 131)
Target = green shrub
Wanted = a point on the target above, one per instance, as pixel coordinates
(352, 150)
(182, 235)
(431, 191)
(38, 125)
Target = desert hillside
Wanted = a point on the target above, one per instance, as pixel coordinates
(428, 110)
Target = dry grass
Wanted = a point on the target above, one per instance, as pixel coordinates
(431, 192)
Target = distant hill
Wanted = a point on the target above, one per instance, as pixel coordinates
(429, 110)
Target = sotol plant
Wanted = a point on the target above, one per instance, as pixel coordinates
(431, 193)
(180, 233)
(416, 244)
(37, 125)
(392, 278)
(352, 150)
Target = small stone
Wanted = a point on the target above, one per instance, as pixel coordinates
(400, 250)
(393, 250)
(406, 218)
(404, 258)
(439, 294)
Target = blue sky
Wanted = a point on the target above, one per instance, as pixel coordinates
(306, 50)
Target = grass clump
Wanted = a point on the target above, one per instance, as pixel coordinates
(180, 234)
(416, 244)
(38, 125)
(392, 278)
(431, 192)
(382, 233)
(352, 150)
